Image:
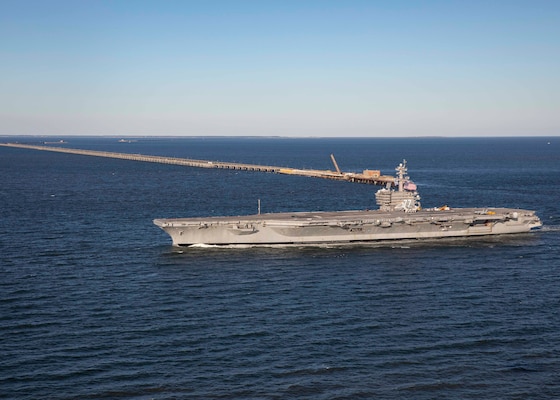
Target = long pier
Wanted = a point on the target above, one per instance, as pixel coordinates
(367, 177)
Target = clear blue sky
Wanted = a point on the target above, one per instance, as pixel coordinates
(288, 68)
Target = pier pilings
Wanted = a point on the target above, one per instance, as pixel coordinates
(187, 162)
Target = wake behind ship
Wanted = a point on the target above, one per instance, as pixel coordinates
(400, 216)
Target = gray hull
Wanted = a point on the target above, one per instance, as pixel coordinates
(347, 226)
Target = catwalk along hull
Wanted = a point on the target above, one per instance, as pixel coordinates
(347, 226)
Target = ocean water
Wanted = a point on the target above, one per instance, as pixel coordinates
(96, 304)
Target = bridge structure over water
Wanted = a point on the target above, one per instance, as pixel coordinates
(367, 177)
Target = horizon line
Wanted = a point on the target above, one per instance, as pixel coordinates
(129, 136)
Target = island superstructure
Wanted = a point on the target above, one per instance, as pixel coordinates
(400, 216)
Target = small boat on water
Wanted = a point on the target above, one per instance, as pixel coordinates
(400, 216)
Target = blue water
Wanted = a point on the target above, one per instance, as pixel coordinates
(95, 303)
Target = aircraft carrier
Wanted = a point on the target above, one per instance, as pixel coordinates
(400, 216)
